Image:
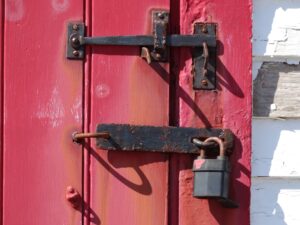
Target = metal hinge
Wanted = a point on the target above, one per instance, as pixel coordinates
(155, 47)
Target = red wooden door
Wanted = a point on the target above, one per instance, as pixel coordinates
(45, 98)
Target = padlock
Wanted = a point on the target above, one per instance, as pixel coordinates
(211, 176)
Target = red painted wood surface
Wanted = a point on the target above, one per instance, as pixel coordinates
(46, 97)
(42, 107)
(127, 188)
(1, 104)
(229, 107)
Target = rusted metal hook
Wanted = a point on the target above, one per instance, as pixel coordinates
(206, 58)
(77, 137)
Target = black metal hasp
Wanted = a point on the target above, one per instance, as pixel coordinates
(125, 137)
(204, 60)
(155, 47)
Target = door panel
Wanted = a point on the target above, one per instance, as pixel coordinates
(127, 188)
(46, 97)
(42, 107)
(229, 107)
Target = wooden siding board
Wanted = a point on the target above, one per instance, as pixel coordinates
(276, 29)
(42, 108)
(1, 104)
(276, 91)
(275, 147)
(275, 201)
(126, 187)
(229, 106)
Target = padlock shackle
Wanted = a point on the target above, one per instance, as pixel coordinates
(202, 153)
(220, 143)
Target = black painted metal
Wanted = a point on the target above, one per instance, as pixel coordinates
(158, 139)
(145, 40)
(160, 25)
(211, 180)
(156, 44)
(75, 50)
(202, 80)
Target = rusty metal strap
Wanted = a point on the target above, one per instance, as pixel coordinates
(125, 137)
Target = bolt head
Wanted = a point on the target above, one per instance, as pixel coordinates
(204, 82)
(204, 29)
(158, 56)
(76, 53)
(161, 15)
(75, 27)
(75, 40)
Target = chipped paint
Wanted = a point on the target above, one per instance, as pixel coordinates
(60, 5)
(76, 109)
(276, 27)
(102, 90)
(52, 112)
(14, 10)
(229, 106)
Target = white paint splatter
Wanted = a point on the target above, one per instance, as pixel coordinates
(273, 107)
(52, 111)
(76, 110)
(102, 90)
(14, 10)
(60, 5)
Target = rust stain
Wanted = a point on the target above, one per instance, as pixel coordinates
(148, 94)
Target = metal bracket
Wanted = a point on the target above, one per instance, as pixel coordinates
(204, 60)
(75, 32)
(159, 139)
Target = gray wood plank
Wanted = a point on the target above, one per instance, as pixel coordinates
(276, 91)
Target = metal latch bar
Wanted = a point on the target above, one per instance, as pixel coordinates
(124, 137)
(154, 47)
(195, 40)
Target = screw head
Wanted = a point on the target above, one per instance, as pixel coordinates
(204, 29)
(161, 15)
(204, 82)
(158, 56)
(76, 53)
(75, 27)
(75, 40)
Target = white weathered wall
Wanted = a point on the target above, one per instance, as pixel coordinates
(276, 148)
(275, 191)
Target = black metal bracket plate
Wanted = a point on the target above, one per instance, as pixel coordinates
(158, 139)
(75, 50)
(159, 50)
(204, 80)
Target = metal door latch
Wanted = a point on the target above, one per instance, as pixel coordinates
(211, 178)
(124, 137)
(155, 47)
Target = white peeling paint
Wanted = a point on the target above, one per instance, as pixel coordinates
(76, 110)
(275, 147)
(52, 112)
(273, 107)
(102, 90)
(275, 201)
(276, 27)
(14, 10)
(60, 5)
